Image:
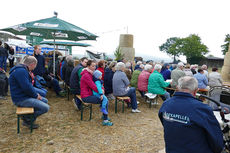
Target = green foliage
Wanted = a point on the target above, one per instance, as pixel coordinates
(171, 47)
(191, 47)
(118, 55)
(226, 45)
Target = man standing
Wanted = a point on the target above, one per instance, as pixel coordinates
(23, 93)
(3, 56)
(40, 68)
(189, 125)
(177, 74)
(75, 79)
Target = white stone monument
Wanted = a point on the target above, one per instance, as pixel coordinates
(126, 46)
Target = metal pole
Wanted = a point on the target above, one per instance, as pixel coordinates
(54, 56)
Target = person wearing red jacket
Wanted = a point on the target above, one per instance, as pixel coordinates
(87, 86)
(101, 68)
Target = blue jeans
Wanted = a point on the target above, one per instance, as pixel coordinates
(1, 61)
(41, 91)
(166, 95)
(104, 101)
(40, 106)
(56, 87)
(94, 100)
(132, 94)
(4, 62)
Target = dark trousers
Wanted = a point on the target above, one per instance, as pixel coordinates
(11, 61)
(56, 86)
(132, 94)
(94, 100)
(3, 87)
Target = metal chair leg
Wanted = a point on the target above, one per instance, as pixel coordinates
(82, 109)
(150, 103)
(31, 123)
(116, 105)
(123, 105)
(90, 112)
(18, 124)
(68, 92)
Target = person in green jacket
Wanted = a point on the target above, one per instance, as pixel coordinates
(156, 84)
(135, 76)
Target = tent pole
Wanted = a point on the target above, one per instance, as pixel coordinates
(54, 57)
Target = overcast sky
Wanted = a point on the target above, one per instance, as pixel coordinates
(151, 22)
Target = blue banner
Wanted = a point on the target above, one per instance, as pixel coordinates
(30, 50)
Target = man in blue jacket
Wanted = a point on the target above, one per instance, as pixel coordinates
(189, 125)
(22, 91)
(75, 79)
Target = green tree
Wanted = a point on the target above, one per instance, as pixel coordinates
(171, 47)
(118, 55)
(192, 48)
(226, 45)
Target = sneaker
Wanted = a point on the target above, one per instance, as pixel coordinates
(135, 111)
(3, 97)
(138, 102)
(104, 111)
(35, 126)
(107, 123)
(75, 104)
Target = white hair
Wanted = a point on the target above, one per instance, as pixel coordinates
(127, 64)
(142, 66)
(119, 66)
(187, 82)
(180, 64)
(148, 67)
(139, 63)
(157, 67)
(29, 60)
(68, 57)
(204, 67)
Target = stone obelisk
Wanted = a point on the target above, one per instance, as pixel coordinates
(225, 72)
(126, 46)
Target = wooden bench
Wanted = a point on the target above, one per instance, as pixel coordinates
(152, 99)
(120, 99)
(85, 105)
(24, 111)
(171, 90)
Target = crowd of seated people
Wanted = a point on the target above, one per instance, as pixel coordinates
(99, 82)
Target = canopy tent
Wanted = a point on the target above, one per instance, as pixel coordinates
(51, 28)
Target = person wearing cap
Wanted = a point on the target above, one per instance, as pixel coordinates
(100, 94)
(189, 125)
(187, 70)
(177, 74)
(166, 72)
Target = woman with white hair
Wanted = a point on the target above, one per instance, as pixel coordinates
(121, 86)
(143, 79)
(128, 70)
(157, 84)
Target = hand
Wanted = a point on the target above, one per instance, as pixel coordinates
(39, 97)
(103, 91)
(101, 97)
